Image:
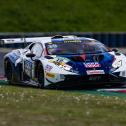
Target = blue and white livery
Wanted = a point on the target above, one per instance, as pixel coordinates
(64, 61)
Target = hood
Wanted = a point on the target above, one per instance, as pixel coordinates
(82, 63)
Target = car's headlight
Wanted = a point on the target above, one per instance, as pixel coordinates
(67, 67)
(117, 64)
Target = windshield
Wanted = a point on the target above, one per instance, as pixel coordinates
(62, 48)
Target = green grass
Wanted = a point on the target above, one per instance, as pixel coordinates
(36, 107)
(65, 15)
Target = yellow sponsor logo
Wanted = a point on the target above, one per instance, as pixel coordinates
(49, 42)
(58, 63)
(70, 41)
(50, 75)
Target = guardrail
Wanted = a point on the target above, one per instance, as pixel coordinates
(111, 39)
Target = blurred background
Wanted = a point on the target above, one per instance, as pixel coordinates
(65, 15)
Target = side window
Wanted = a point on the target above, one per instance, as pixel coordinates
(37, 49)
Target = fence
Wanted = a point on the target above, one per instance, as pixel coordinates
(110, 39)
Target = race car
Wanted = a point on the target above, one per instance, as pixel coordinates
(65, 61)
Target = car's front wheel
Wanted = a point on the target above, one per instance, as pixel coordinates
(40, 75)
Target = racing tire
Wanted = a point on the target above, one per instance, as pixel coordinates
(40, 75)
(8, 71)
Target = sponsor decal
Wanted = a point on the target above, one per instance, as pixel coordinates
(49, 43)
(94, 78)
(57, 61)
(14, 56)
(10, 40)
(61, 63)
(28, 67)
(51, 75)
(48, 68)
(75, 41)
(70, 41)
(92, 65)
(93, 72)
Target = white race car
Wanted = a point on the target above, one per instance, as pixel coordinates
(65, 61)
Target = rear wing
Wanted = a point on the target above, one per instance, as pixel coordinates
(23, 42)
(20, 42)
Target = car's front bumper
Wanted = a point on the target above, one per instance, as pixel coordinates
(92, 80)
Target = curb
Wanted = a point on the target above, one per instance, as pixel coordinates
(118, 90)
(3, 80)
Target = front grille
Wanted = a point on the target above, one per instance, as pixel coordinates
(92, 78)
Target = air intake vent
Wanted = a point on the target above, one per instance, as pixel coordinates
(98, 58)
(57, 36)
(60, 36)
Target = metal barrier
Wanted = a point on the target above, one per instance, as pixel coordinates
(110, 39)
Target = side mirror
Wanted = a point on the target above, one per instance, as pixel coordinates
(30, 55)
(115, 50)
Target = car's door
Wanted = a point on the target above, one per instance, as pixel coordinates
(28, 62)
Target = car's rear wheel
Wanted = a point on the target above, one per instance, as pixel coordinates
(8, 71)
(40, 75)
